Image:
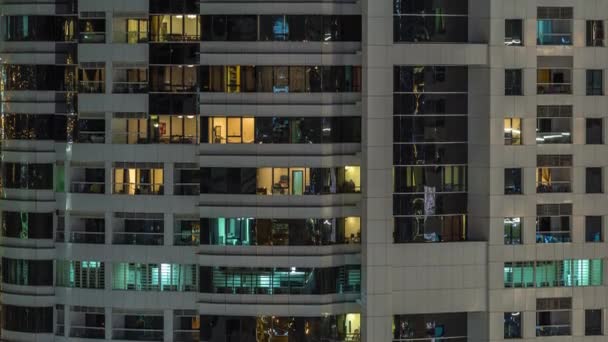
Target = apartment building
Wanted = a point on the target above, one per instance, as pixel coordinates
(303, 171)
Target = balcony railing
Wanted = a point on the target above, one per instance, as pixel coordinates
(554, 88)
(137, 334)
(91, 137)
(87, 332)
(433, 339)
(143, 138)
(92, 87)
(553, 330)
(132, 37)
(184, 239)
(87, 237)
(88, 187)
(92, 37)
(553, 137)
(554, 187)
(146, 239)
(186, 335)
(187, 189)
(130, 87)
(138, 189)
(553, 237)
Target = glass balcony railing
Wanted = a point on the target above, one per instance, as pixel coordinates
(553, 138)
(87, 237)
(553, 88)
(137, 334)
(138, 189)
(146, 239)
(187, 189)
(554, 187)
(88, 187)
(87, 332)
(553, 237)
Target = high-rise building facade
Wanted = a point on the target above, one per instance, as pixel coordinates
(303, 171)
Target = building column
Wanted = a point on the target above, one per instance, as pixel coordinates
(108, 319)
(168, 325)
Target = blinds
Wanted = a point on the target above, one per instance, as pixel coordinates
(80, 274)
(154, 277)
(560, 273)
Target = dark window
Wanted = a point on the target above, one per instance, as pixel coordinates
(512, 324)
(27, 319)
(513, 82)
(39, 77)
(595, 33)
(27, 176)
(24, 225)
(594, 130)
(174, 53)
(176, 78)
(513, 230)
(514, 32)
(593, 229)
(593, 322)
(38, 28)
(595, 82)
(27, 272)
(440, 228)
(593, 180)
(174, 6)
(228, 180)
(414, 154)
(513, 181)
(434, 79)
(553, 316)
(430, 21)
(429, 128)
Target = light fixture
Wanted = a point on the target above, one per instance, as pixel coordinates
(180, 116)
(190, 116)
(179, 16)
(191, 16)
